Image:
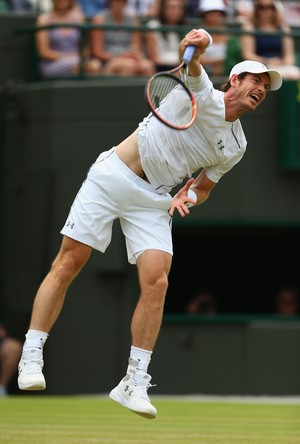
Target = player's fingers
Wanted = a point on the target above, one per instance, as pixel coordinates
(183, 210)
(188, 184)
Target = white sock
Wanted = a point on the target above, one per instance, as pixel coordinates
(37, 334)
(33, 345)
(142, 356)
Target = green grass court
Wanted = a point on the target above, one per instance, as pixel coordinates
(30, 419)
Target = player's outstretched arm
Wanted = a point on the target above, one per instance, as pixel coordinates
(181, 200)
(194, 192)
(201, 40)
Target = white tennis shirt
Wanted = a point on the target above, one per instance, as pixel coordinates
(169, 156)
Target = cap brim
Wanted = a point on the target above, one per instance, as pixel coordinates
(275, 76)
(276, 80)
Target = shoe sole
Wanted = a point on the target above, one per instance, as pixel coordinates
(115, 396)
(32, 387)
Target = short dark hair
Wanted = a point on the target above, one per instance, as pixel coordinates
(226, 86)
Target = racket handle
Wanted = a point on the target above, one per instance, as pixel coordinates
(188, 54)
(189, 50)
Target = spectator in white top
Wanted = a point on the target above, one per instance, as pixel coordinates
(213, 13)
(162, 46)
(142, 9)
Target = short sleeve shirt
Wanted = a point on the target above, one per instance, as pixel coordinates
(169, 156)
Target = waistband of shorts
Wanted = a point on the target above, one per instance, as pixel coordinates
(115, 159)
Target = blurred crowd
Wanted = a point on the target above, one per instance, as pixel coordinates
(265, 36)
(10, 352)
(285, 303)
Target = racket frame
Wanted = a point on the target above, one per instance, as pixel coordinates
(183, 67)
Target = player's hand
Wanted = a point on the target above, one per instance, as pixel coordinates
(180, 201)
(194, 37)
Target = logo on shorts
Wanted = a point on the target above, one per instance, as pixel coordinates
(70, 225)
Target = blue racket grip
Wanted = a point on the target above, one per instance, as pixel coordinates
(188, 54)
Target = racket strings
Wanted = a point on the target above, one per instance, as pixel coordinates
(160, 87)
(176, 110)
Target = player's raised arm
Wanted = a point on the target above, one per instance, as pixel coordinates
(199, 38)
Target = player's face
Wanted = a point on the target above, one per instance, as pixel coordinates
(252, 90)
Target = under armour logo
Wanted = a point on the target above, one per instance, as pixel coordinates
(220, 144)
(69, 224)
(127, 390)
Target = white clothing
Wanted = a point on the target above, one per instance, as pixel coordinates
(216, 50)
(166, 44)
(169, 156)
(139, 8)
(110, 191)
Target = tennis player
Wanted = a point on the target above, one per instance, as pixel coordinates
(132, 182)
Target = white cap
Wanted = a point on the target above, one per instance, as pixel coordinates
(212, 5)
(258, 68)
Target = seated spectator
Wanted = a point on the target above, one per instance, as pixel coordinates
(58, 48)
(162, 46)
(274, 51)
(243, 10)
(10, 353)
(292, 12)
(203, 302)
(192, 10)
(120, 51)
(213, 13)
(142, 9)
(90, 8)
(19, 6)
(287, 302)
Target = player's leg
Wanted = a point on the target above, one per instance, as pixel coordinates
(91, 213)
(153, 267)
(46, 308)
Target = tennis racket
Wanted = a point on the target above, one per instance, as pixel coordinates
(163, 84)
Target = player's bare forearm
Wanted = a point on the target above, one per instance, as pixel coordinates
(202, 186)
(194, 192)
(188, 196)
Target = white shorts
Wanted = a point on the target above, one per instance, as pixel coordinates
(112, 190)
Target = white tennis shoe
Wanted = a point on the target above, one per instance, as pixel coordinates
(30, 371)
(132, 394)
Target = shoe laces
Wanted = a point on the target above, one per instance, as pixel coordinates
(33, 367)
(143, 390)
